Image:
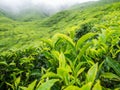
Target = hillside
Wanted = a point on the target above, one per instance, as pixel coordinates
(15, 34)
(75, 49)
(1, 14)
(30, 14)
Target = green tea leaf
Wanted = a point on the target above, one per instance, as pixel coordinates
(83, 49)
(91, 75)
(79, 66)
(64, 74)
(97, 86)
(80, 71)
(47, 85)
(86, 86)
(12, 64)
(48, 42)
(50, 74)
(32, 85)
(113, 64)
(82, 40)
(23, 88)
(12, 86)
(72, 88)
(55, 53)
(117, 89)
(64, 37)
(110, 75)
(3, 63)
(72, 34)
(62, 61)
(100, 66)
(17, 81)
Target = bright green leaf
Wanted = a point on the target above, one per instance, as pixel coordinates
(110, 75)
(12, 86)
(91, 75)
(23, 88)
(64, 37)
(97, 86)
(17, 81)
(82, 40)
(47, 85)
(72, 88)
(49, 75)
(86, 86)
(3, 63)
(113, 64)
(83, 50)
(32, 85)
(80, 71)
(62, 61)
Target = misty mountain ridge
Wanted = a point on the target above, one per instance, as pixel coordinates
(33, 12)
(41, 10)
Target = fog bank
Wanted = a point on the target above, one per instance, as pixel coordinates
(16, 6)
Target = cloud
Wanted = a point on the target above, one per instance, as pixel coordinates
(55, 5)
(60, 2)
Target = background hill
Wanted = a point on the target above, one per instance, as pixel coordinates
(28, 29)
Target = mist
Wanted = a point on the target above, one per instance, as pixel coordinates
(50, 6)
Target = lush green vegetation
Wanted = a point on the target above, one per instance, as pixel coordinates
(21, 34)
(84, 55)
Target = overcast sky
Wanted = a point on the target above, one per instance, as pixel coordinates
(17, 5)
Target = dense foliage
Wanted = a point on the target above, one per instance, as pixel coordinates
(87, 57)
(91, 62)
(19, 35)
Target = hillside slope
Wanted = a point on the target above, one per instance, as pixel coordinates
(15, 34)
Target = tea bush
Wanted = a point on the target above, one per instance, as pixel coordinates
(87, 58)
(91, 62)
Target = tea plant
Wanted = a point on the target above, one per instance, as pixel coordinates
(76, 58)
(87, 58)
